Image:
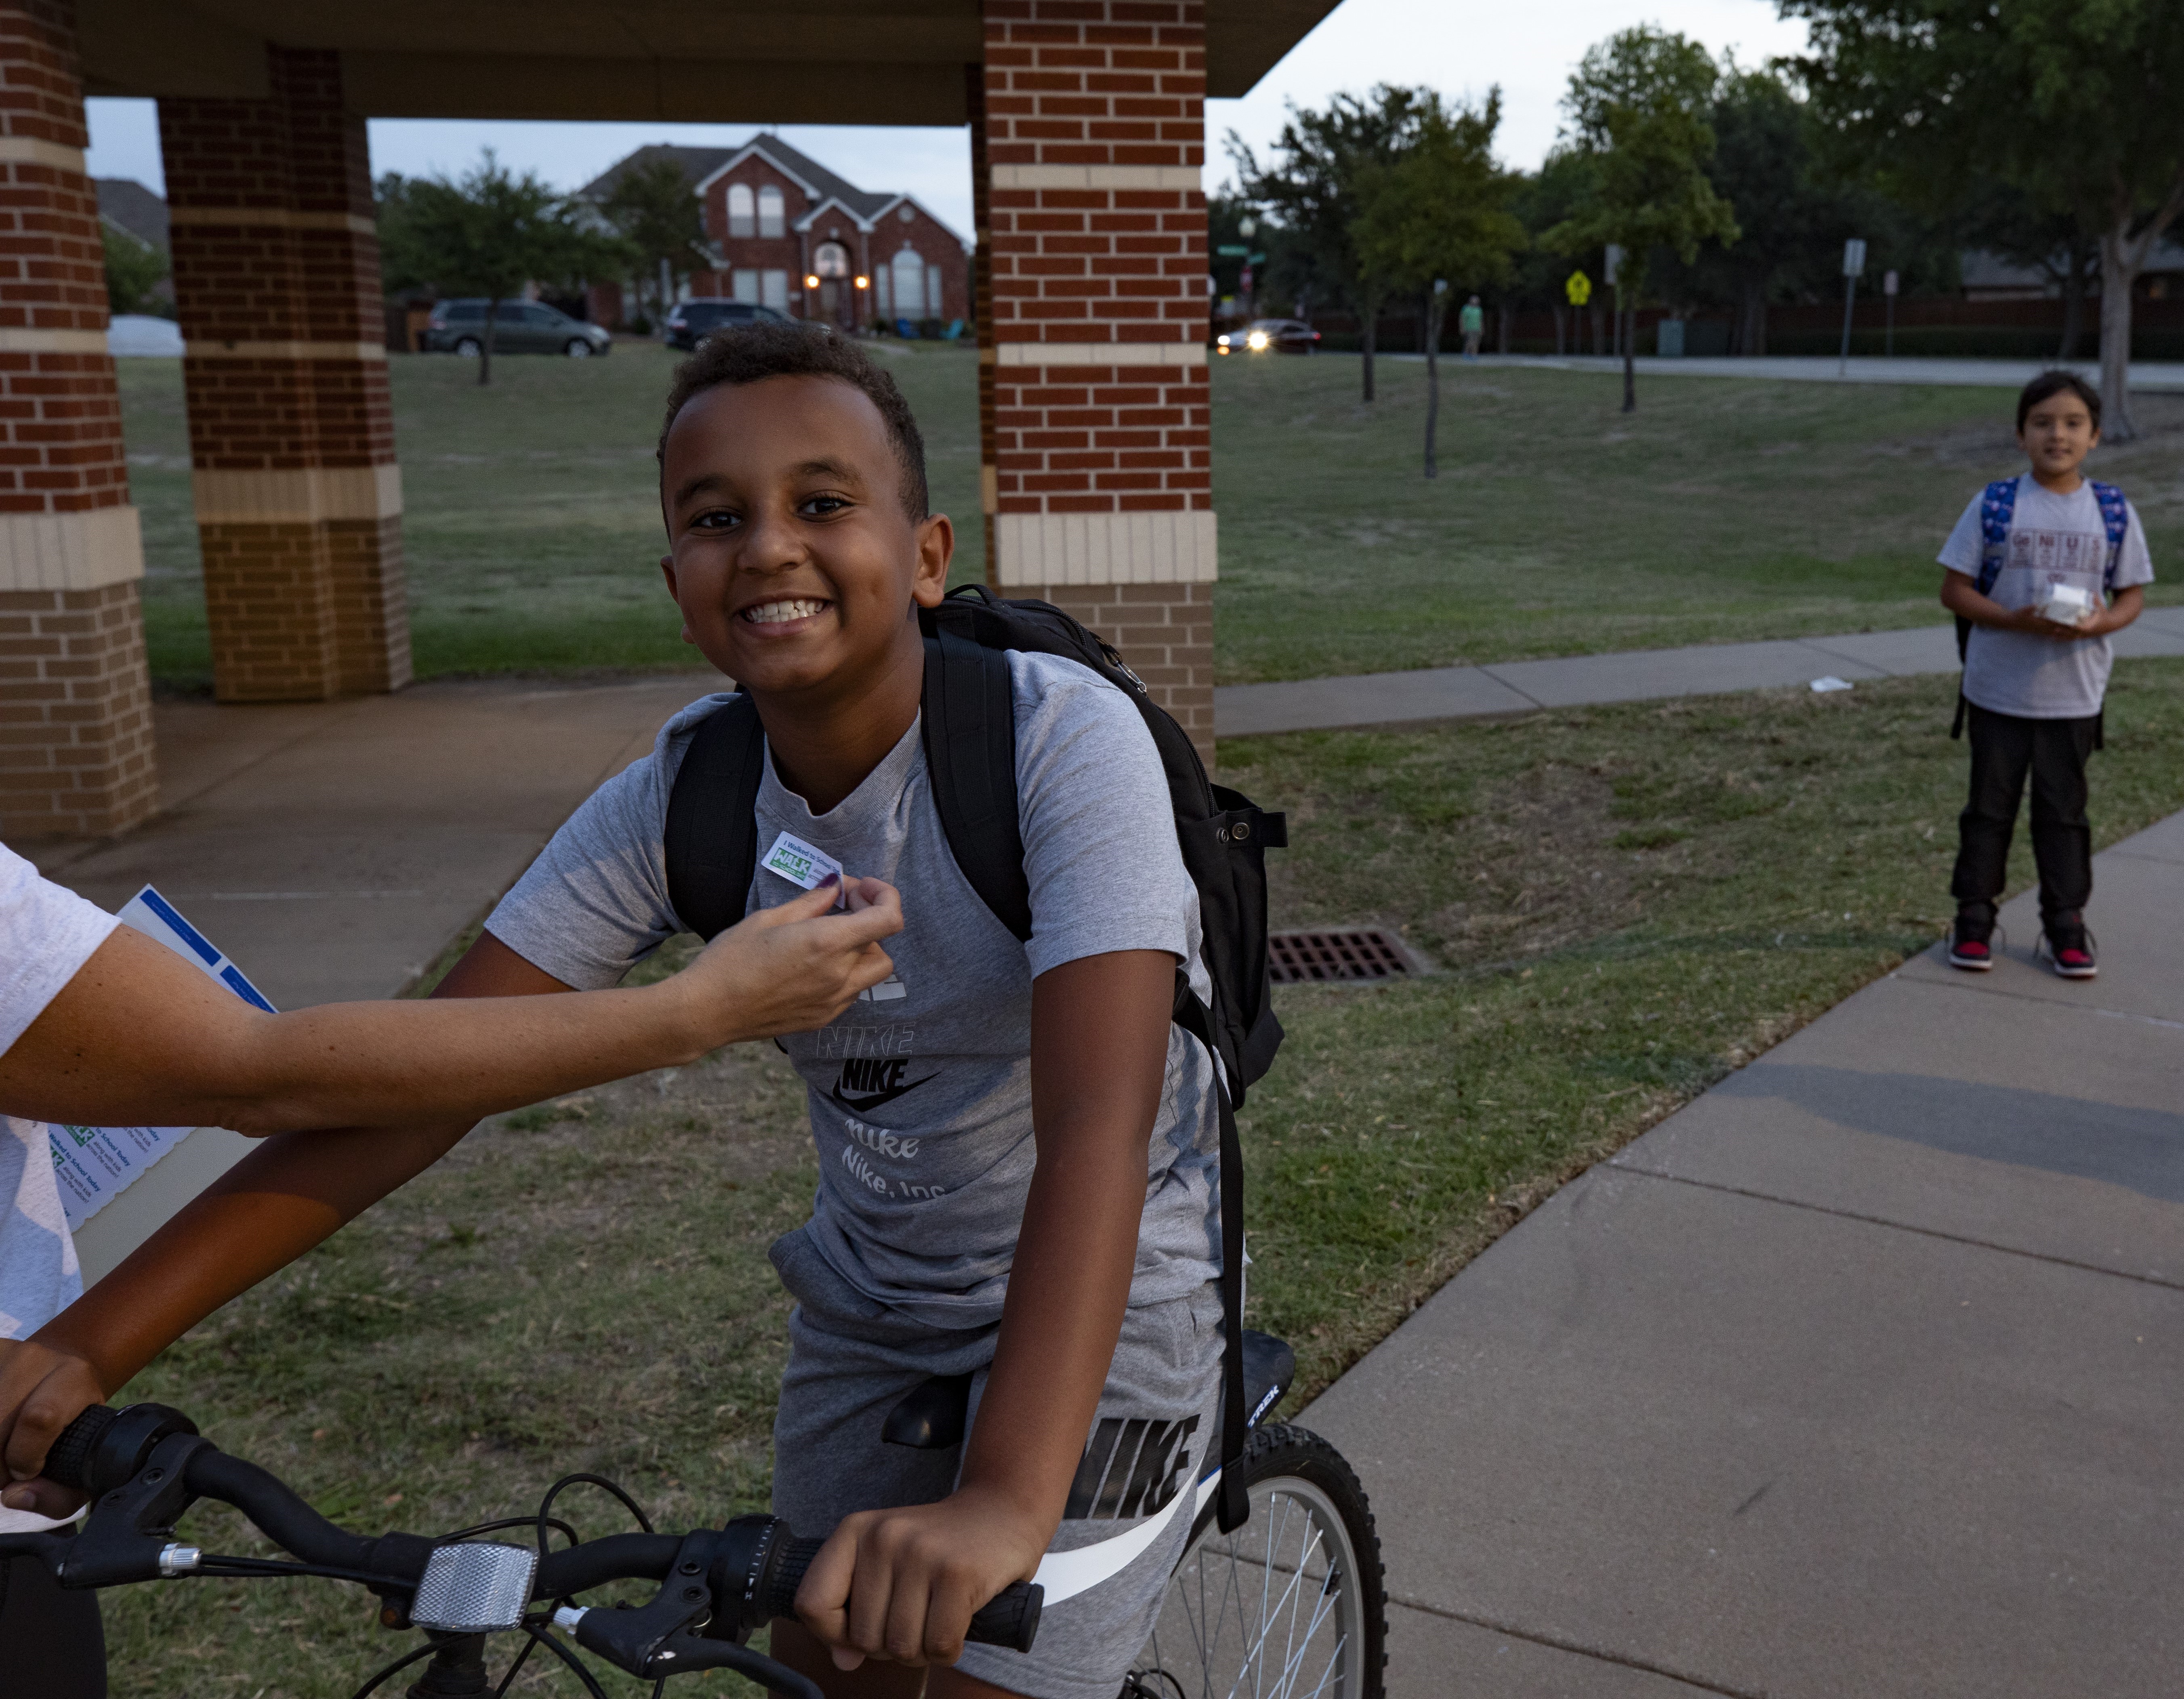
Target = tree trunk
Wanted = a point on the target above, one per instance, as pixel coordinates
(1630, 369)
(1434, 312)
(485, 344)
(1558, 310)
(2074, 300)
(1501, 329)
(1369, 325)
(1751, 319)
(2118, 273)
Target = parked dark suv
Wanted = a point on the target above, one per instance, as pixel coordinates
(690, 321)
(458, 327)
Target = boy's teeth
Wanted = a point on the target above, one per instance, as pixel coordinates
(779, 613)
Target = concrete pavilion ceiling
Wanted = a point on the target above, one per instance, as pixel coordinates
(724, 61)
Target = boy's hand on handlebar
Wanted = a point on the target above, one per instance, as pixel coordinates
(791, 968)
(900, 1585)
(42, 1388)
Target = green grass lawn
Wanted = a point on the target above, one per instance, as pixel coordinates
(1723, 510)
(1623, 904)
(532, 530)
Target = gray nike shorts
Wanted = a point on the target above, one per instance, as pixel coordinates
(851, 1361)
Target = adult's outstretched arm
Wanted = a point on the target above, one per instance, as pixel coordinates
(139, 1037)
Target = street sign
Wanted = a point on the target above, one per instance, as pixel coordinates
(1258, 259)
(1614, 261)
(1888, 282)
(1854, 257)
(1232, 250)
(1578, 288)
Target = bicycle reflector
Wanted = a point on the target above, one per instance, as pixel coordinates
(473, 1586)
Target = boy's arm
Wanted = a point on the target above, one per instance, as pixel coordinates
(2129, 604)
(911, 1578)
(1962, 597)
(276, 1203)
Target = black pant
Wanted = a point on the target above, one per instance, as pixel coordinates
(51, 1643)
(2003, 747)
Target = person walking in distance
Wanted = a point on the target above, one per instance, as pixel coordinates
(1472, 321)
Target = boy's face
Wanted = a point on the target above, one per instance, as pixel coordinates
(793, 559)
(2059, 434)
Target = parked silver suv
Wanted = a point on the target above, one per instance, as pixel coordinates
(458, 327)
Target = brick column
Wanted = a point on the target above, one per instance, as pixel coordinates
(1095, 424)
(292, 438)
(75, 727)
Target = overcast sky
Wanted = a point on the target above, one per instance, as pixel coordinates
(1461, 50)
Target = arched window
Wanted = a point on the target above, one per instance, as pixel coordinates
(830, 259)
(770, 222)
(909, 285)
(740, 209)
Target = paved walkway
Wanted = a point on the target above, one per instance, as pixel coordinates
(333, 848)
(2146, 376)
(1520, 687)
(1860, 1374)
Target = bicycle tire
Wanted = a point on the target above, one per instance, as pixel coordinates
(1322, 1635)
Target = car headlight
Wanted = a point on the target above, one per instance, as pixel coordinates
(1258, 342)
(1221, 340)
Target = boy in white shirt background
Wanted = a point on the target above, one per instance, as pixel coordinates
(2042, 568)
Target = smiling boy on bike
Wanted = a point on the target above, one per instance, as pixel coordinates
(1029, 1199)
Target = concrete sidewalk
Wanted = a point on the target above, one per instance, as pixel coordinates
(2147, 376)
(1520, 687)
(1860, 1374)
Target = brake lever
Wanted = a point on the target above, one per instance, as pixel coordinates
(129, 1535)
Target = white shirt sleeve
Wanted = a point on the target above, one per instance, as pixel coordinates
(2136, 564)
(46, 934)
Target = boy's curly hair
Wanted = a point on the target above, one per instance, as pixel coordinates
(771, 348)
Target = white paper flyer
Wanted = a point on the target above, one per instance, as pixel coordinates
(94, 1165)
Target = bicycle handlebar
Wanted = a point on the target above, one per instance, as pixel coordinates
(143, 1466)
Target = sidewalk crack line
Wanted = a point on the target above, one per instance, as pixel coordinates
(2166, 1284)
(1555, 1642)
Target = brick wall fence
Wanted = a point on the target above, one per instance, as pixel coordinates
(1088, 135)
(75, 733)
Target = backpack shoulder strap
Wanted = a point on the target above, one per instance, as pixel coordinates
(969, 731)
(711, 840)
(2115, 520)
(1997, 508)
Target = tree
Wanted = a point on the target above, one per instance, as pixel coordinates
(134, 269)
(490, 233)
(1635, 106)
(2004, 221)
(1764, 166)
(1438, 216)
(652, 208)
(2069, 102)
(1311, 186)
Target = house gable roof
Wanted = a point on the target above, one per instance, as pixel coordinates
(132, 209)
(703, 167)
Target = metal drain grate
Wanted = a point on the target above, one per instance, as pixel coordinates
(1298, 958)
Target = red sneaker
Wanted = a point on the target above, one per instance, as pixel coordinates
(1971, 943)
(2070, 949)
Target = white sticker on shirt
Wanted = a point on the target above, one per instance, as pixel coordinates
(887, 991)
(800, 863)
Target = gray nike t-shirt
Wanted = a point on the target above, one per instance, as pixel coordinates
(2054, 539)
(920, 1093)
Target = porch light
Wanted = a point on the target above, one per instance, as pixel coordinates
(812, 281)
(864, 282)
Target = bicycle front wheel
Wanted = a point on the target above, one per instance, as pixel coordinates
(1290, 1605)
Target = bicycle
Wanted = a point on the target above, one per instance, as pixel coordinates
(1290, 1604)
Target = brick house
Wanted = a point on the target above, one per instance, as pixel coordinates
(784, 230)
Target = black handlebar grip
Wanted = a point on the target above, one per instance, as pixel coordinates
(66, 1460)
(1010, 1618)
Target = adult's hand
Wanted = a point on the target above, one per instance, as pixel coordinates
(791, 968)
(42, 1388)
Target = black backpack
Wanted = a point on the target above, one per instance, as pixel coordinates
(969, 733)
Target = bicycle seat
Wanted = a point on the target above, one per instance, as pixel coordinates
(934, 1414)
